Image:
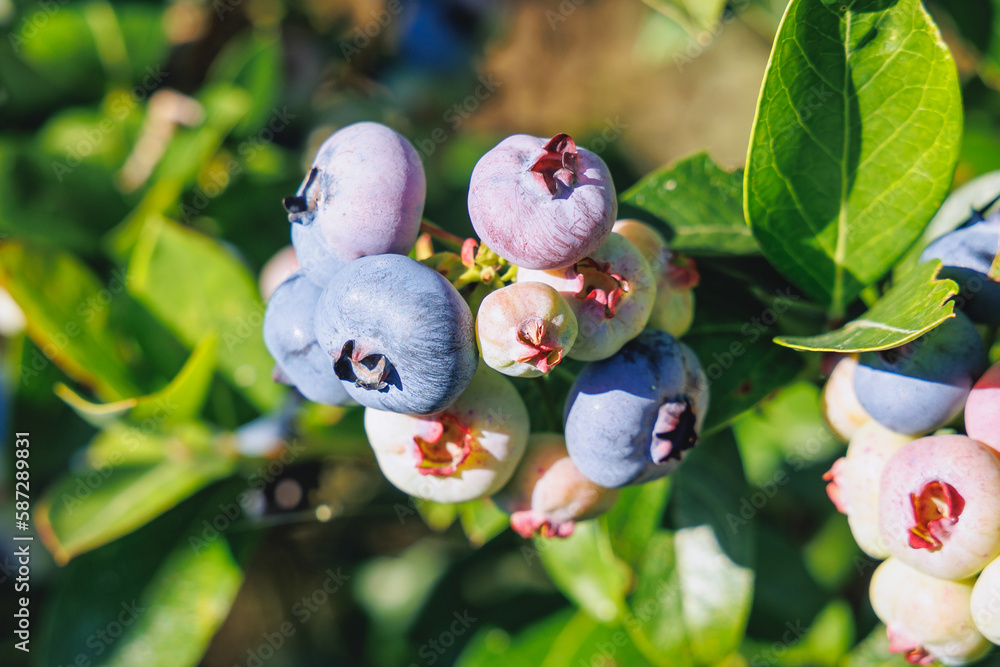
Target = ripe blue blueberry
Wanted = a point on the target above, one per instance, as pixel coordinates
(399, 334)
(631, 418)
(923, 385)
(291, 340)
(364, 195)
(542, 203)
(968, 254)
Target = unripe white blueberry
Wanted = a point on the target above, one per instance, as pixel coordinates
(926, 618)
(524, 330)
(854, 483)
(985, 604)
(467, 451)
(841, 410)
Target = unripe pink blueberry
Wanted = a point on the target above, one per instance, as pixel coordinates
(926, 618)
(525, 329)
(548, 494)
(939, 505)
(467, 451)
(611, 292)
(982, 410)
(985, 604)
(854, 483)
(542, 203)
(676, 277)
(842, 412)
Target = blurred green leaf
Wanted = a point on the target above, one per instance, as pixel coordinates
(179, 401)
(564, 639)
(715, 554)
(857, 132)
(185, 158)
(66, 310)
(252, 61)
(149, 599)
(693, 15)
(482, 520)
(701, 202)
(196, 287)
(787, 430)
(85, 510)
(823, 644)
(635, 517)
(657, 607)
(586, 570)
(914, 306)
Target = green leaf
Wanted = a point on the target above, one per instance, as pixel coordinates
(66, 310)
(657, 606)
(714, 552)
(155, 599)
(564, 639)
(584, 568)
(86, 510)
(910, 309)
(857, 132)
(635, 517)
(824, 644)
(701, 202)
(196, 287)
(482, 520)
(179, 401)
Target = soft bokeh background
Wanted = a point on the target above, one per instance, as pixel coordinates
(203, 115)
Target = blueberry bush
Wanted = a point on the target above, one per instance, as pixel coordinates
(514, 394)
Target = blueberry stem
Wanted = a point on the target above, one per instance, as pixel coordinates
(447, 239)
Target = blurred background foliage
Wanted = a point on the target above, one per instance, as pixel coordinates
(144, 151)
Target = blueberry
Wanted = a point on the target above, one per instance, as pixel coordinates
(548, 493)
(983, 605)
(982, 411)
(926, 619)
(399, 335)
(611, 292)
(464, 452)
(364, 195)
(923, 385)
(842, 412)
(676, 277)
(291, 340)
(631, 418)
(542, 203)
(939, 505)
(854, 483)
(525, 329)
(968, 254)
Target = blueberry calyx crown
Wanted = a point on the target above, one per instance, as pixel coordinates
(675, 431)
(935, 510)
(559, 155)
(595, 283)
(369, 371)
(446, 447)
(305, 200)
(542, 353)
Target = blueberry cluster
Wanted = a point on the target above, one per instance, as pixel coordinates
(925, 499)
(376, 317)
